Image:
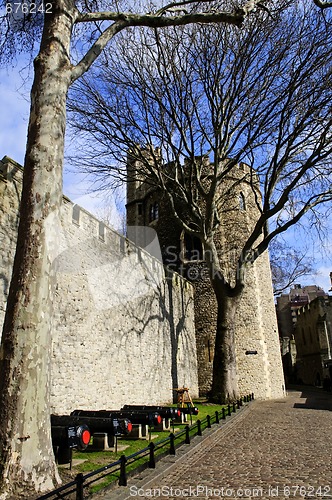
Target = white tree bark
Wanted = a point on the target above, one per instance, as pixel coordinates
(27, 464)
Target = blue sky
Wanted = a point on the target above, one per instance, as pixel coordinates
(15, 86)
(14, 104)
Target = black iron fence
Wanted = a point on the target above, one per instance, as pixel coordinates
(150, 453)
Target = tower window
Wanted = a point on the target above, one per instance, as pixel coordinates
(193, 249)
(140, 208)
(76, 214)
(242, 202)
(101, 231)
(154, 211)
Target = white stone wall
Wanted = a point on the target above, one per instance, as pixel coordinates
(257, 330)
(122, 332)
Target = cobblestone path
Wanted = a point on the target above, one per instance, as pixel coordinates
(273, 449)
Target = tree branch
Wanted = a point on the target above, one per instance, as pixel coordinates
(322, 5)
(123, 20)
(156, 21)
(96, 49)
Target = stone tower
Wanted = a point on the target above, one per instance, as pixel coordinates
(257, 340)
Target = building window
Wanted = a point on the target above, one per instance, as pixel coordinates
(193, 249)
(154, 211)
(140, 208)
(242, 202)
(101, 231)
(76, 214)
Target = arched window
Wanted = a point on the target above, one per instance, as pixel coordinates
(242, 202)
(193, 249)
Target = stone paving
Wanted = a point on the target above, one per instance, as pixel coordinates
(272, 449)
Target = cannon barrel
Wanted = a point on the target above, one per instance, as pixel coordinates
(189, 410)
(164, 411)
(111, 425)
(135, 416)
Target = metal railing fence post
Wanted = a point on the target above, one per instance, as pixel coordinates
(123, 474)
(187, 440)
(79, 486)
(171, 444)
(152, 461)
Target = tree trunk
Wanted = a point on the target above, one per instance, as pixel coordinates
(224, 375)
(27, 462)
(224, 382)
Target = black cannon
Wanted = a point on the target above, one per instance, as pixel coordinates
(143, 417)
(113, 425)
(164, 411)
(189, 410)
(67, 438)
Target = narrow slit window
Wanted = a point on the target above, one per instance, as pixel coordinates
(140, 209)
(101, 231)
(151, 213)
(242, 202)
(76, 214)
(156, 210)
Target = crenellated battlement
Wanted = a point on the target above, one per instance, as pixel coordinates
(10, 170)
(72, 213)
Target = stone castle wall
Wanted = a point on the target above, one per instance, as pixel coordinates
(123, 331)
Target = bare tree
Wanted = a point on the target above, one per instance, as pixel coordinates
(27, 462)
(288, 265)
(261, 96)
